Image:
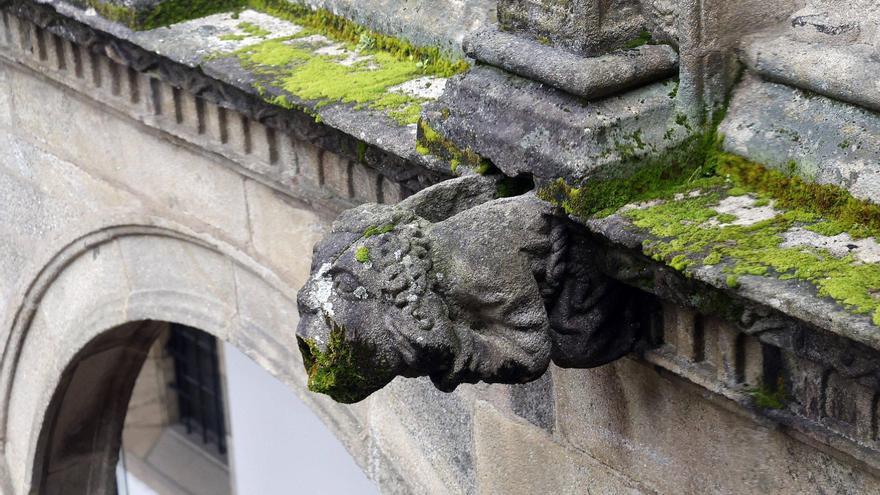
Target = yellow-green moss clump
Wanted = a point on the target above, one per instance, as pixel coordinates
(362, 254)
(295, 69)
(292, 66)
(346, 371)
(687, 231)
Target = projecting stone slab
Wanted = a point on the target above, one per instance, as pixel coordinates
(590, 77)
(823, 139)
(259, 55)
(524, 127)
(722, 236)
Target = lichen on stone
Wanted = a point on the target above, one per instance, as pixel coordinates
(687, 231)
(682, 199)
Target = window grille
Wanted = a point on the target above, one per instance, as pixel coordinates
(197, 385)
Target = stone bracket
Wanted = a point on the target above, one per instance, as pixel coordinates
(403, 291)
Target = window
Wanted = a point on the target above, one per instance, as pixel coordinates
(197, 385)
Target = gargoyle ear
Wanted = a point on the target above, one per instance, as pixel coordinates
(331, 246)
(360, 219)
(444, 200)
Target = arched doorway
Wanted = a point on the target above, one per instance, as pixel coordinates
(85, 329)
(216, 423)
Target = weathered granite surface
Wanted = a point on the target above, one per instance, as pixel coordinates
(590, 77)
(583, 26)
(774, 287)
(440, 23)
(524, 127)
(397, 291)
(197, 45)
(826, 140)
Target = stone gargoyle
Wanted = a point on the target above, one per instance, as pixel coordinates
(457, 285)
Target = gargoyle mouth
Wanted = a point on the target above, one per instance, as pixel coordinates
(346, 370)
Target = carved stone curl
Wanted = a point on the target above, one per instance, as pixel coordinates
(456, 285)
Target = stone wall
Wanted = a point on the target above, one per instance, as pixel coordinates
(126, 198)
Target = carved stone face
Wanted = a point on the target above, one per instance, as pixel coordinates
(362, 310)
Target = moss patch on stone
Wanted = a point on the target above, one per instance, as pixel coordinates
(375, 230)
(676, 170)
(294, 68)
(346, 371)
(384, 62)
(770, 397)
(688, 231)
(362, 254)
(429, 141)
(431, 60)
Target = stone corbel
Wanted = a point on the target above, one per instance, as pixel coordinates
(462, 287)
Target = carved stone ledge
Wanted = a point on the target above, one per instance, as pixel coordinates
(456, 285)
(589, 77)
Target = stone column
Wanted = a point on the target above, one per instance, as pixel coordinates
(589, 27)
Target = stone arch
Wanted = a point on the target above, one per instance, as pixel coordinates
(101, 292)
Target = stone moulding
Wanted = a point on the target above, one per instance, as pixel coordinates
(589, 77)
(400, 291)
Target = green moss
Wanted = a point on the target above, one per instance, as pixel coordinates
(788, 191)
(345, 371)
(322, 79)
(378, 230)
(682, 236)
(253, 30)
(164, 13)
(732, 281)
(431, 141)
(233, 37)
(767, 397)
(362, 254)
(431, 60)
(644, 38)
(680, 169)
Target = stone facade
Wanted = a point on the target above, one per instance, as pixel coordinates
(137, 189)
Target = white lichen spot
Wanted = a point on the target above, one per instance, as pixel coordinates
(864, 250)
(744, 209)
(224, 32)
(360, 292)
(343, 56)
(644, 205)
(429, 87)
(323, 290)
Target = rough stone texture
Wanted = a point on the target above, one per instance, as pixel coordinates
(504, 466)
(523, 127)
(634, 419)
(185, 61)
(396, 291)
(584, 26)
(624, 428)
(590, 77)
(846, 73)
(708, 33)
(830, 142)
(440, 23)
(789, 297)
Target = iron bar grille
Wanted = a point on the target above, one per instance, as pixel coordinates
(197, 385)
